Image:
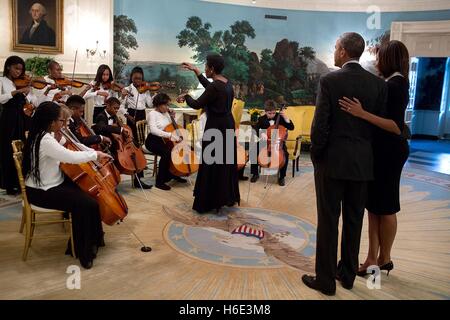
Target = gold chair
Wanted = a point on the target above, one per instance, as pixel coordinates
(237, 111)
(142, 133)
(307, 123)
(31, 212)
(294, 142)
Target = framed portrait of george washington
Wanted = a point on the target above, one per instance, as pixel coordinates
(38, 26)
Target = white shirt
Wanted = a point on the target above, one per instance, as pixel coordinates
(99, 101)
(110, 121)
(143, 100)
(158, 122)
(34, 27)
(51, 94)
(351, 61)
(51, 154)
(7, 87)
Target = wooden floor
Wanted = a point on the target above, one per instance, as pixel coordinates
(421, 254)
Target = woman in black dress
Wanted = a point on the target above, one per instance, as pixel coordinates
(217, 183)
(391, 150)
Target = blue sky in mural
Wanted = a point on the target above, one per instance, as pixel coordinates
(159, 22)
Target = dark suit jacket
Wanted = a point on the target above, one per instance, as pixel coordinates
(87, 141)
(43, 36)
(342, 143)
(102, 127)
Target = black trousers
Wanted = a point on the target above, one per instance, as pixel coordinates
(86, 222)
(138, 115)
(283, 170)
(332, 196)
(156, 145)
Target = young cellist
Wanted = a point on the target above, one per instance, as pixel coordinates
(76, 104)
(47, 186)
(158, 119)
(264, 122)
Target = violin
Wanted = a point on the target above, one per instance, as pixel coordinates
(154, 87)
(129, 158)
(272, 156)
(109, 86)
(64, 82)
(94, 181)
(27, 81)
(184, 161)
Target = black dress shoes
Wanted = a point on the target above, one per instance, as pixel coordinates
(311, 282)
(254, 178)
(282, 182)
(164, 187)
(87, 264)
(139, 183)
(344, 285)
(179, 179)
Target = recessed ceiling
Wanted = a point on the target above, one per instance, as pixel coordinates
(344, 5)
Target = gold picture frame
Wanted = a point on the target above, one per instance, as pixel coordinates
(38, 26)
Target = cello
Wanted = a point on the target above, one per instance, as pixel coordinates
(129, 158)
(272, 157)
(114, 174)
(95, 182)
(184, 161)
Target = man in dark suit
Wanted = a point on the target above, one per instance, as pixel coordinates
(341, 152)
(76, 104)
(39, 32)
(105, 124)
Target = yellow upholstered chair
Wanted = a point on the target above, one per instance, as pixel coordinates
(142, 133)
(31, 212)
(307, 123)
(237, 110)
(294, 142)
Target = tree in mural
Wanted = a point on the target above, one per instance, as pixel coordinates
(282, 72)
(124, 40)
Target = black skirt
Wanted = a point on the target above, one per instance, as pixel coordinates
(390, 156)
(217, 184)
(12, 127)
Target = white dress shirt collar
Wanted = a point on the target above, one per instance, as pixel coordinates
(351, 61)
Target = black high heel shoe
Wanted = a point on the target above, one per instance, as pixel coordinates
(387, 267)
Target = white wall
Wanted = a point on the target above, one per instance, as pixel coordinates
(85, 22)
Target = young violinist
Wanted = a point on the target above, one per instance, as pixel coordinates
(53, 92)
(47, 186)
(135, 103)
(76, 104)
(158, 119)
(100, 89)
(266, 121)
(12, 120)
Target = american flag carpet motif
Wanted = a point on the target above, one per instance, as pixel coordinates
(249, 232)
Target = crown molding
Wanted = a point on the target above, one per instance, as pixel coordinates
(343, 5)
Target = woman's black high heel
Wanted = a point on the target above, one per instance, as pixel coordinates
(387, 267)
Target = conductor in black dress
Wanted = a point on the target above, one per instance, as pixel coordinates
(217, 183)
(391, 150)
(341, 152)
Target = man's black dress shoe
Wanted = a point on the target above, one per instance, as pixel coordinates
(311, 282)
(255, 178)
(179, 179)
(282, 182)
(344, 285)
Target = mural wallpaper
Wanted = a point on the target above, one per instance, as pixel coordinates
(265, 58)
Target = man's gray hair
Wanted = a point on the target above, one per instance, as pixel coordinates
(353, 43)
(41, 7)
